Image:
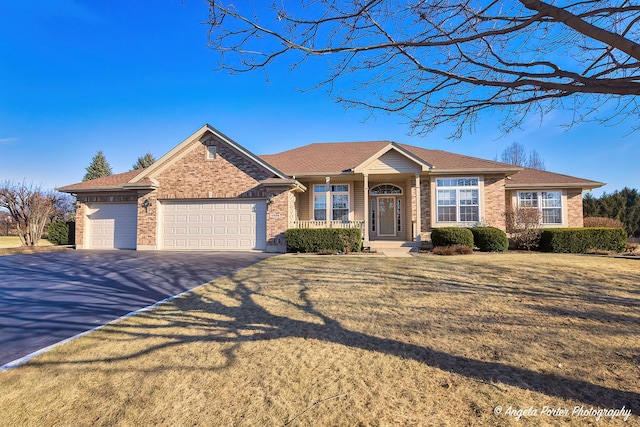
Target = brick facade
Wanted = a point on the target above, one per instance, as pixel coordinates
(494, 198)
(230, 175)
(88, 198)
(575, 214)
(192, 172)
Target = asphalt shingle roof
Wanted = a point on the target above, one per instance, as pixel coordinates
(337, 157)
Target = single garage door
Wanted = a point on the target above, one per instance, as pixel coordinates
(112, 225)
(214, 225)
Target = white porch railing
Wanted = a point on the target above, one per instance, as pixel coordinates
(330, 224)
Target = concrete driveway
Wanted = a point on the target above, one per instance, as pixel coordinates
(47, 297)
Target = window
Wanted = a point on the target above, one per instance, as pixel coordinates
(339, 207)
(385, 189)
(319, 203)
(548, 202)
(211, 152)
(458, 200)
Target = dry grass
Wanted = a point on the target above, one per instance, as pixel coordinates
(356, 341)
(7, 242)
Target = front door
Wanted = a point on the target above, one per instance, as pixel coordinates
(387, 216)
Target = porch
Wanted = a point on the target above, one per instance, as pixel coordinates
(384, 207)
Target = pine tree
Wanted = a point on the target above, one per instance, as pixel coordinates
(98, 168)
(144, 161)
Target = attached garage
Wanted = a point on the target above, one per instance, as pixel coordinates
(213, 225)
(111, 226)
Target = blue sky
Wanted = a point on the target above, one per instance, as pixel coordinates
(128, 77)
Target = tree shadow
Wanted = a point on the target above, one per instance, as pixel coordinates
(246, 320)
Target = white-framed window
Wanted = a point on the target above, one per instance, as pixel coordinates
(549, 203)
(211, 152)
(339, 206)
(458, 199)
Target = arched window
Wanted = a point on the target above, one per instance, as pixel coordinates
(386, 189)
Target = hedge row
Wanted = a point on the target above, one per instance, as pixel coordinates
(580, 240)
(322, 239)
(487, 239)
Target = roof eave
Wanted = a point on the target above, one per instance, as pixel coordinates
(321, 174)
(555, 185)
(505, 171)
(92, 190)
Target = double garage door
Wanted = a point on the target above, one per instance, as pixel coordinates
(219, 225)
(211, 225)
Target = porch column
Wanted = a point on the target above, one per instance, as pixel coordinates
(366, 209)
(327, 198)
(418, 208)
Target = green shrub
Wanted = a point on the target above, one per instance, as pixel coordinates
(323, 239)
(58, 232)
(449, 236)
(490, 239)
(452, 250)
(581, 240)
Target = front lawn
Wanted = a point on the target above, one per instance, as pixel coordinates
(7, 242)
(315, 341)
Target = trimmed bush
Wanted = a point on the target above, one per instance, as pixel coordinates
(452, 250)
(450, 236)
(598, 221)
(323, 239)
(490, 239)
(581, 240)
(58, 232)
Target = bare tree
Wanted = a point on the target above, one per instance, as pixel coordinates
(516, 154)
(437, 61)
(524, 227)
(30, 207)
(535, 161)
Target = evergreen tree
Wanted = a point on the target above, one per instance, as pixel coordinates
(144, 161)
(623, 205)
(98, 168)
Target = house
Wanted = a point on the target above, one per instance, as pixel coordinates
(210, 193)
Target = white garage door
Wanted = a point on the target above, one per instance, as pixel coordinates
(214, 225)
(112, 225)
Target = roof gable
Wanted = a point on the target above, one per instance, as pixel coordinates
(392, 158)
(201, 136)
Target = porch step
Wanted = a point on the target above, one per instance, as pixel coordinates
(394, 248)
(392, 244)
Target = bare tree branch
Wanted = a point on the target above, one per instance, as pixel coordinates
(439, 61)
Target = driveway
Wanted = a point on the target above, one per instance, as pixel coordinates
(47, 297)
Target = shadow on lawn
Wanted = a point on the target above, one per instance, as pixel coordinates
(249, 321)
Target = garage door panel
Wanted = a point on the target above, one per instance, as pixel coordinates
(112, 226)
(214, 225)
